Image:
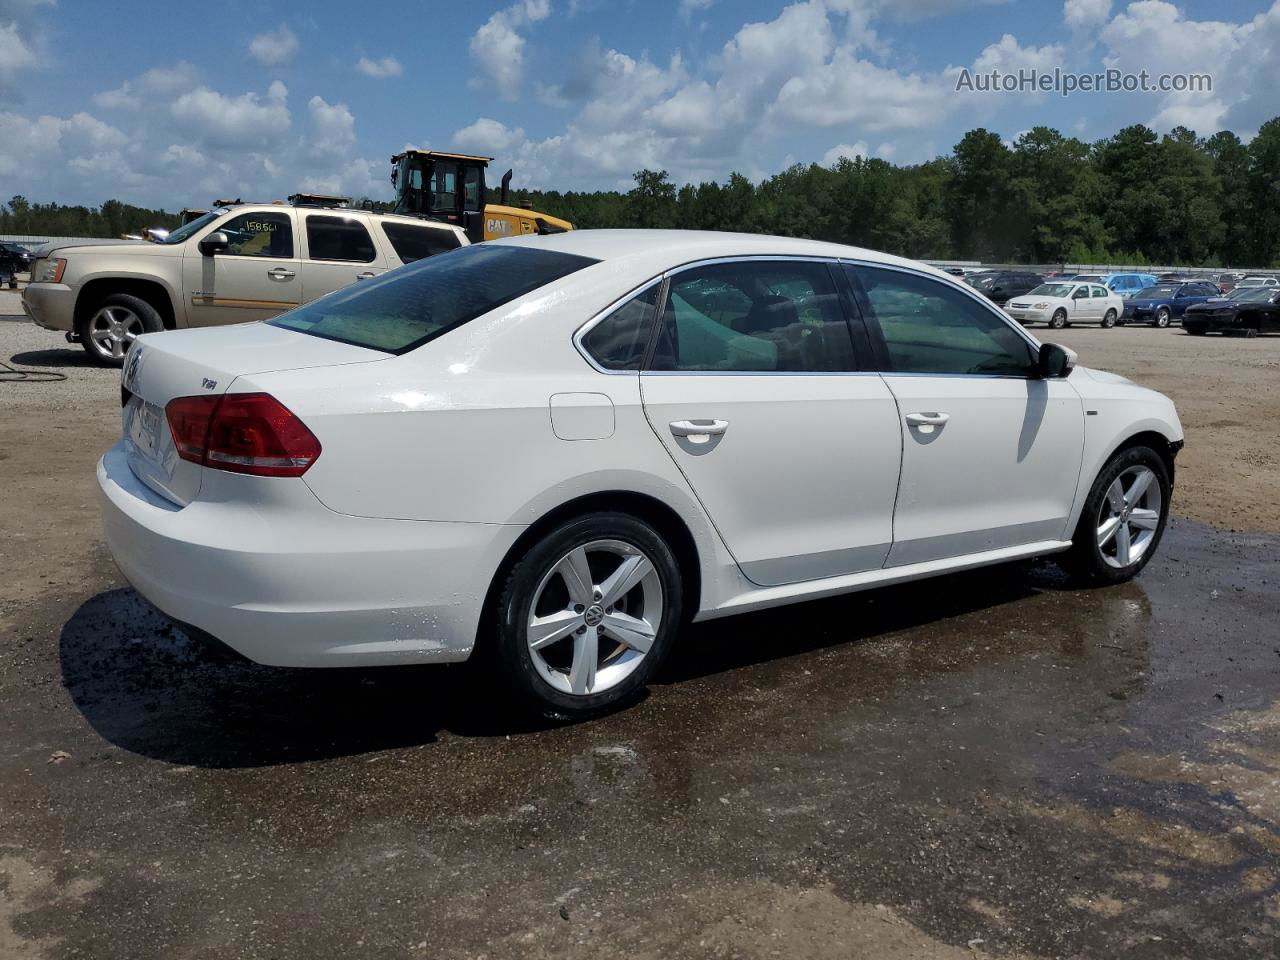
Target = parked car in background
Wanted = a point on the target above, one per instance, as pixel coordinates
(1258, 282)
(1124, 285)
(1163, 303)
(1063, 303)
(1249, 311)
(239, 263)
(1001, 285)
(536, 449)
(14, 259)
(1228, 281)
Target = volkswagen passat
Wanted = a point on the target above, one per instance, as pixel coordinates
(560, 449)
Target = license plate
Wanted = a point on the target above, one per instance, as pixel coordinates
(143, 423)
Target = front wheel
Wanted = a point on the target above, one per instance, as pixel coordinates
(1109, 320)
(1123, 519)
(588, 614)
(1058, 320)
(1162, 317)
(108, 331)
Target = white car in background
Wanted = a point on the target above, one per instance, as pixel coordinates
(1062, 303)
(1258, 282)
(560, 449)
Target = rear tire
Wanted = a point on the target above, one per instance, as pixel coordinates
(1250, 332)
(567, 644)
(1109, 320)
(1123, 519)
(108, 329)
(1058, 320)
(1162, 318)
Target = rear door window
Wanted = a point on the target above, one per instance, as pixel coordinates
(411, 305)
(412, 242)
(781, 316)
(339, 238)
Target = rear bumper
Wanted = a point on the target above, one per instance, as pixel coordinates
(50, 305)
(290, 583)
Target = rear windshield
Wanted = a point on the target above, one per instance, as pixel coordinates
(406, 307)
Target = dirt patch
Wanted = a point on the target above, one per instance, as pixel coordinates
(1227, 397)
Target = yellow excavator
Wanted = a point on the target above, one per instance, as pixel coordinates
(451, 187)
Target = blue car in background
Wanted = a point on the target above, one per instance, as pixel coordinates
(1162, 303)
(1125, 285)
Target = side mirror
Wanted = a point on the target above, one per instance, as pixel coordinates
(215, 242)
(1055, 361)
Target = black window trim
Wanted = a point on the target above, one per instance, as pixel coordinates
(883, 365)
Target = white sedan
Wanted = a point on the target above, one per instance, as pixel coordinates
(560, 449)
(1062, 303)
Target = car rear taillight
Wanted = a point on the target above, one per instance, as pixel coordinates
(250, 433)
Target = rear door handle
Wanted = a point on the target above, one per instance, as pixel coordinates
(367, 275)
(280, 273)
(927, 419)
(699, 431)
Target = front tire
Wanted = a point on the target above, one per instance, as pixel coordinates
(1109, 320)
(588, 614)
(1123, 519)
(1162, 318)
(1058, 320)
(108, 330)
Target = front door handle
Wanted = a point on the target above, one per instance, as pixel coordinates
(280, 273)
(367, 275)
(699, 431)
(927, 419)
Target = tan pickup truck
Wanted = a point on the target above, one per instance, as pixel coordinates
(234, 264)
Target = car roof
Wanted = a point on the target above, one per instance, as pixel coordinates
(662, 249)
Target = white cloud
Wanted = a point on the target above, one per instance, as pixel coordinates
(27, 143)
(156, 84)
(275, 47)
(488, 137)
(1080, 14)
(498, 46)
(379, 69)
(15, 54)
(244, 122)
(850, 150)
(332, 124)
(688, 8)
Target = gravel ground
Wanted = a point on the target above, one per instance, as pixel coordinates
(985, 765)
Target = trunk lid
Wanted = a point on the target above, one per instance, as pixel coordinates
(185, 363)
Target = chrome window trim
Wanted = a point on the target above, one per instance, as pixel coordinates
(670, 272)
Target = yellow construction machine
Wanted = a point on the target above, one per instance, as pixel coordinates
(451, 187)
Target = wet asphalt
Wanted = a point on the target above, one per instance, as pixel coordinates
(992, 763)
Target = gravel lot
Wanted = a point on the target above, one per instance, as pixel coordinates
(987, 765)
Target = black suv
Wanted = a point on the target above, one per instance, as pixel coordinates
(14, 258)
(1002, 285)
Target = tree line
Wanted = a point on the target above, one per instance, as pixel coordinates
(1134, 198)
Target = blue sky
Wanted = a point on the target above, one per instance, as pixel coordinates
(169, 104)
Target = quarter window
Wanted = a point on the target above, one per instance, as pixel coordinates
(259, 235)
(339, 238)
(417, 243)
(754, 315)
(618, 342)
(929, 328)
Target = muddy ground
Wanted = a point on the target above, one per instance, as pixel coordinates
(988, 765)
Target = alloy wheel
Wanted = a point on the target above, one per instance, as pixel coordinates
(1162, 317)
(113, 330)
(1129, 517)
(595, 616)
